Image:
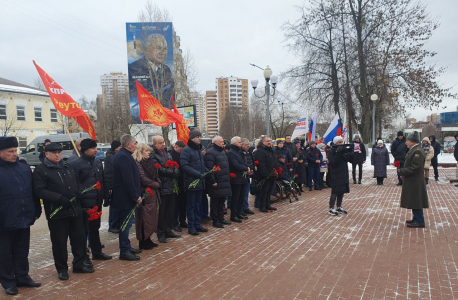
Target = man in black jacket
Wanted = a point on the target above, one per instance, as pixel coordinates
(18, 211)
(127, 193)
(167, 175)
(314, 158)
(437, 151)
(218, 184)
(249, 160)
(55, 183)
(265, 157)
(338, 157)
(399, 151)
(89, 170)
(113, 225)
(42, 153)
(179, 216)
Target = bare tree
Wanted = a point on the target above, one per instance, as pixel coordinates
(38, 83)
(191, 70)
(10, 124)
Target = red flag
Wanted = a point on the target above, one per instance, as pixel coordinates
(151, 109)
(64, 103)
(182, 128)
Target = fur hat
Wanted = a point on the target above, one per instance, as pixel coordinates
(194, 133)
(7, 142)
(336, 139)
(87, 144)
(414, 137)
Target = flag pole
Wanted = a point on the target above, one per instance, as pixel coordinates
(69, 135)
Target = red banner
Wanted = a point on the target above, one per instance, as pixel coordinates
(182, 129)
(151, 110)
(64, 103)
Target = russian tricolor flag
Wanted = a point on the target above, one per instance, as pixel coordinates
(312, 128)
(334, 130)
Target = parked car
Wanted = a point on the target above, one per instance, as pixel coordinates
(30, 155)
(102, 151)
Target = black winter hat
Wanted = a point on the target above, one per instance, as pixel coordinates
(281, 156)
(8, 142)
(47, 140)
(400, 133)
(115, 144)
(87, 144)
(194, 133)
(414, 137)
(53, 147)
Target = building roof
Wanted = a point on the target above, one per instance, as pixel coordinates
(7, 85)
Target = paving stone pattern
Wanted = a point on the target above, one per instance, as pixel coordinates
(297, 252)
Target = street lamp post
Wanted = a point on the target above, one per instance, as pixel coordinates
(273, 79)
(374, 99)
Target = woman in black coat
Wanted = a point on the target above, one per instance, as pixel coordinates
(338, 157)
(359, 158)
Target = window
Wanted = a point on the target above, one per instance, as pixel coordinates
(53, 115)
(2, 111)
(37, 111)
(20, 113)
(22, 142)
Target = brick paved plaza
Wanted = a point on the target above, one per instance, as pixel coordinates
(297, 252)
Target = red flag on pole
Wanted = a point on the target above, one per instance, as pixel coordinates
(64, 103)
(151, 109)
(182, 128)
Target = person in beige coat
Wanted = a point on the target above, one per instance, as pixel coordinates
(429, 154)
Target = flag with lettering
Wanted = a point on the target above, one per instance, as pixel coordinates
(182, 128)
(151, 110)
(64, 103)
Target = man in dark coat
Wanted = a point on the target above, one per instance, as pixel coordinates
(113, 226)
(282, 149)
(249, 161)
(359, 158)
(239, 168)
(437, 151)
(218, 184)
(54, 181)
(193, 165)
(89, 170)
(314, 158)
(167, 174)
(338, 157)
(414, 195)
(18, 211)
(179, 216)
(42, 153)
(265, 157)
(75, 155)
(291, 146)
(126, 193)
(399, 151)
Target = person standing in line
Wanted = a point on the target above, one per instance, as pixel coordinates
(437, 151)
(113, 226)
(19, 210)
(314, 159)
(54, 181)
(179, 217)
(429, 154)
(193, 165)
(167, 174)
(380, 159)
(414, 195)
(338, 158)
(126, 193)
(399, 150)
(359, 158)
(146, 216)
(249, 160)
(74, 155)
(42, 153)
(265, 157)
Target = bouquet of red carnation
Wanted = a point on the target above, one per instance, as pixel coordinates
(148, 192)
(157, 166)
(232, 175)
(280, 171)
(397, 164)
(196, 182)
(97, 186)
(93, 214)
(173, 164)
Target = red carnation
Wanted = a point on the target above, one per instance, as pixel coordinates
(149, 191)
(296, 175)
(288, 164)
(280, 170)
(256, 162)
(317, 154)
(97, 186)
(157, 166)
(397, 164)
(232, 175)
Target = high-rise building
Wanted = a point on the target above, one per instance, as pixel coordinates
(115, 88)
(198, 101)
(232, 94)
(434, 118)
(211, 112)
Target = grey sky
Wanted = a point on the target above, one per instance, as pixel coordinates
(77, 41)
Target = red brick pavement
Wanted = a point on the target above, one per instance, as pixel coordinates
(297, 252)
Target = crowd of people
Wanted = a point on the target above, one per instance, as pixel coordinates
(166, 191)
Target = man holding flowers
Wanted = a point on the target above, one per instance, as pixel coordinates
(54, 182)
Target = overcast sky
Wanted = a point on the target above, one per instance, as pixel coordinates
(77, 41)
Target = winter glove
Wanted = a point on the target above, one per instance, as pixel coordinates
(65, 202)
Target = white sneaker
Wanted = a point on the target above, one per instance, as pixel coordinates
(333, 212)
(340, 210)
